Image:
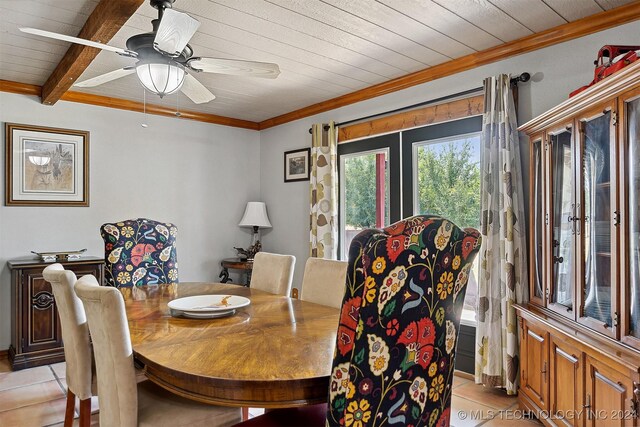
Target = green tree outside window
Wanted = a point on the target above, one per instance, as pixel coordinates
(449, 181)
(448, 184)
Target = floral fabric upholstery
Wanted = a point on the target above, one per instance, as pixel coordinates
(399, 324)
(140, 252)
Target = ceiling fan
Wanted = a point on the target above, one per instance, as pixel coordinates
(164, 58)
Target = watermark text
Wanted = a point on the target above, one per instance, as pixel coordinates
(525, 414)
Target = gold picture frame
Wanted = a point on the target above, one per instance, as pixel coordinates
(46, 166)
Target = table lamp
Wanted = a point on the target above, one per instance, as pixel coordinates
(255, 215)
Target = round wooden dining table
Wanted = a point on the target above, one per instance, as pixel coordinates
(276, 352)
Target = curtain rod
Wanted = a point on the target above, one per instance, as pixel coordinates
(524, 77)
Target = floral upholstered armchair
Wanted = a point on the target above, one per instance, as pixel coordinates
(399, 324)
(140, 252)
(398, 329)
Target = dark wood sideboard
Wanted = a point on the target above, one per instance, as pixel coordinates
(36, 337)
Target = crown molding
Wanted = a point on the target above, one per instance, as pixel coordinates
(125, 104)
(21, 88)
(572, 30)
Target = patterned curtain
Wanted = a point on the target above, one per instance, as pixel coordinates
(503, 265)
(324, 192)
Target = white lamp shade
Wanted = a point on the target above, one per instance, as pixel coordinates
(255, 215)
(160, 78)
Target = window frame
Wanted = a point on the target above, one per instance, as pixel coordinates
(391, 142)
(439, 131)
(414, 166)
(402, 165)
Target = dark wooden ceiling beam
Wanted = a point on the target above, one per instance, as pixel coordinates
(103, 23)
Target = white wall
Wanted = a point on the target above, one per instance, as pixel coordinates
(556, 71)
(196, 175)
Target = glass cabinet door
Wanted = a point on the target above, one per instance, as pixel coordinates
(631, 281)
(537, 284)
(594, 224)
(562, 206)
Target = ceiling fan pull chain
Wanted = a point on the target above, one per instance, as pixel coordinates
(178, 104)
(144, 109)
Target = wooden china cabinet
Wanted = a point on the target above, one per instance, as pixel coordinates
(580, 332)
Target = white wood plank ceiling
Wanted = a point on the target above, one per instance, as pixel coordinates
(325, 48)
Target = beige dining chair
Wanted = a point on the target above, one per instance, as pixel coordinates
(75, 334)
(273, 273)
(324, 281)
(123, 402)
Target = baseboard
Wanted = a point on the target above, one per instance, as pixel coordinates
(4, 354)
(465, 375)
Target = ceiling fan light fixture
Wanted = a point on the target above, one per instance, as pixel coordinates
(165, 60)
(161, 78)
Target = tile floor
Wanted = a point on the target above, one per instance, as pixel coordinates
(36, 397)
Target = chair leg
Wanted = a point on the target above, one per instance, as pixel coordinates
(245, 413)
(85, 412)
(71, 407)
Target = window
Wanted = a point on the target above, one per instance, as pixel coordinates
(364, 208)
(446, 181)
(446, 176)
(369, 186)
(433, 169)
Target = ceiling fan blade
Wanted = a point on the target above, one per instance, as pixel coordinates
(107, 77)
(196, 91)
(175, 31)
(78, 40)
(235, 67)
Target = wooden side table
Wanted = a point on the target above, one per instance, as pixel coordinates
(36, 337)
(245, 266)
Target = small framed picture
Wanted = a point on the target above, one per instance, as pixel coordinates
(46, 166)
(296, 165)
